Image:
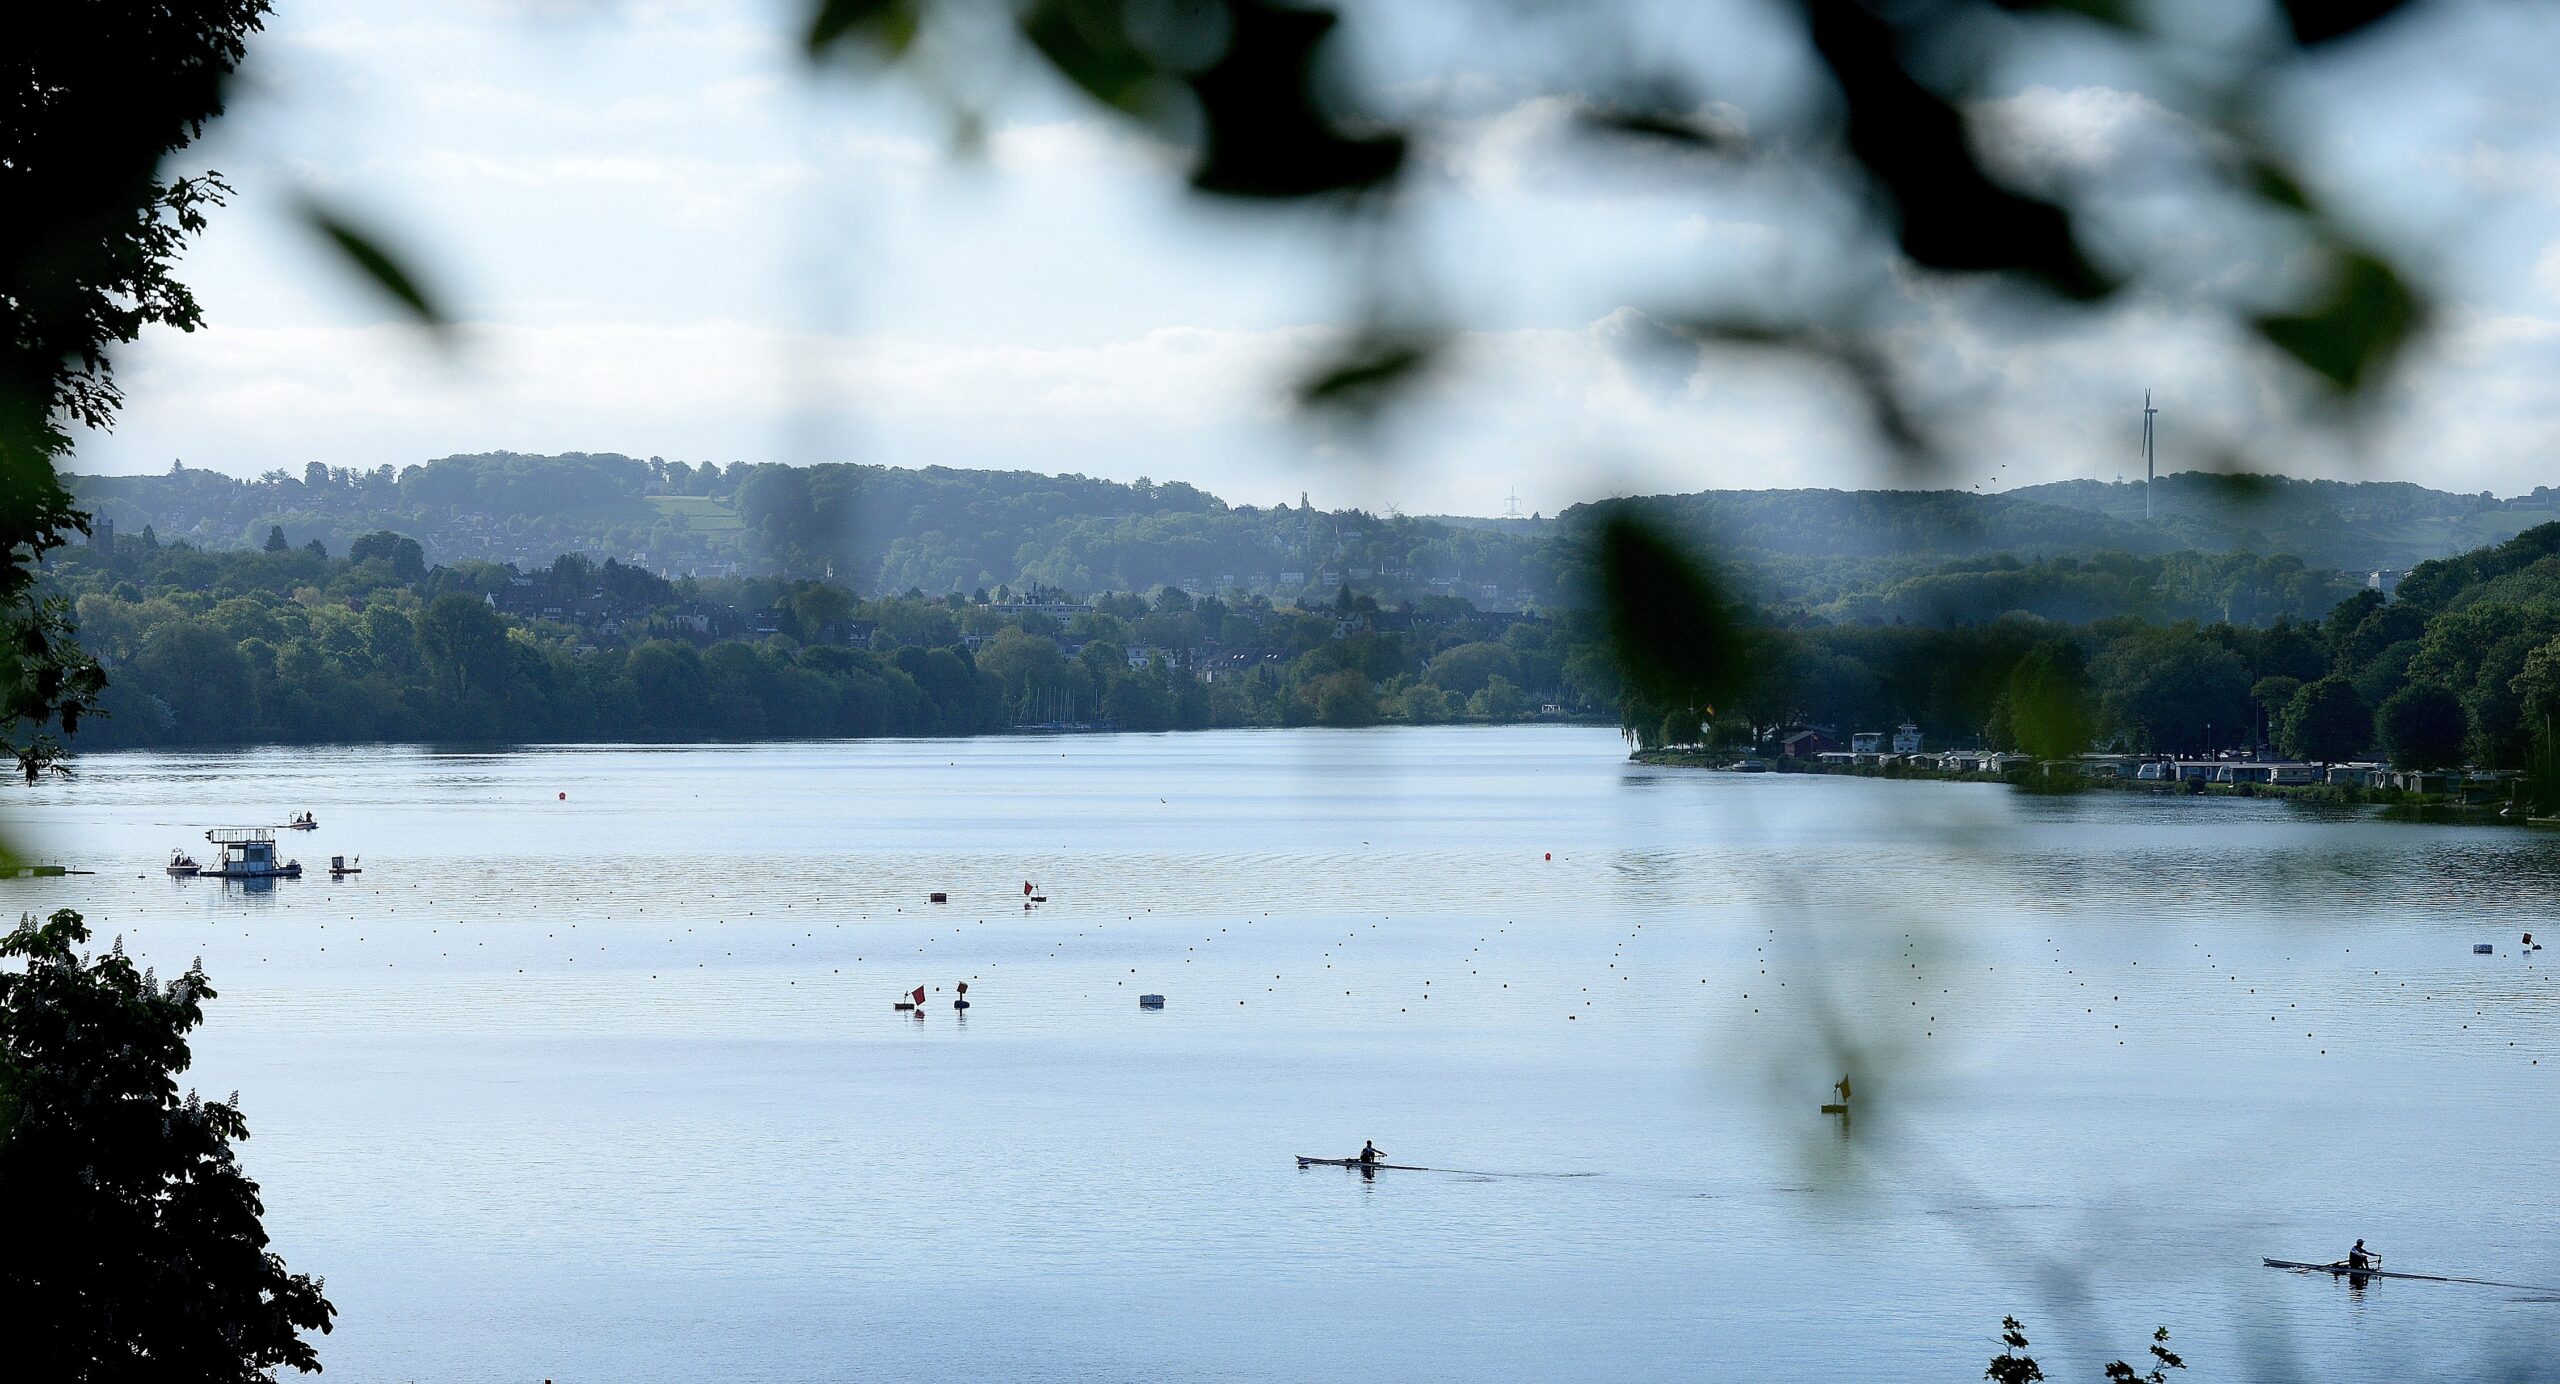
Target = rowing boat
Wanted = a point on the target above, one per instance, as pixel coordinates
(2342, 1271)
(1306, 1162)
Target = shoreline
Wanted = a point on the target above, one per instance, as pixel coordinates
(2398, 804)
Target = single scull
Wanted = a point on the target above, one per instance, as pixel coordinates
(1304, 1162)
(2343, 1271)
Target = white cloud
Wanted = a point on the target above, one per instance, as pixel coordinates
(2506, 172)
(644, 197)
(689, 187)
(1547, 144)
(1698, 228)
(2546, 272)
(1078, 145)
(2048, 138)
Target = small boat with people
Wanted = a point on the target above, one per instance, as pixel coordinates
(2342, 1269)
(182, 864)
(302, 821)
(2362, 1264)
(248, 853)
(1370, 1158)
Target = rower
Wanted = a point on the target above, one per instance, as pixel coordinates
(2357, 1258)
(1370, 1153)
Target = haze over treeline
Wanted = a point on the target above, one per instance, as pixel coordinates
(1874, 556)
(853, 601)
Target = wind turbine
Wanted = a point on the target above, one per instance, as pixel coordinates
(2149, 457)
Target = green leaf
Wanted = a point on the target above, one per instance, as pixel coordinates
(1368, 371)
(2112, 13)
(1661, 109)
(1915, 144)
(1267, 133)
(1672, 629)
(2318, 21)
(887, 26)
(2274, 183)
(378, 265)
(1089, 43)
(2353, 332)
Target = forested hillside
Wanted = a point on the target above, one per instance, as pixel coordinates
(2248, 551)
(2182, 652)
(2360, 524)
(294, 645)
(2462, 667)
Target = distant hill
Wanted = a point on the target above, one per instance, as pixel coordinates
(2345, 524)
(1876, 556)
(876, 528)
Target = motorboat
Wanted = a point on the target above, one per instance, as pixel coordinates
(248, 853)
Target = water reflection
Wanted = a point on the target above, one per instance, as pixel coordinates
(2136, 1044)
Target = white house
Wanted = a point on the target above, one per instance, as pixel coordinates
(1906, 738)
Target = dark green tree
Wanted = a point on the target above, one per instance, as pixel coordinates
(2163, 1360)
(2422, 727)
(2273, 693)
(2012, 1365)
(276, 541)
(2051, 713)
(198, 672)
(407, 560)
(134, 1250)
(97, 97)
(2326, 721)
(462, 639)
(2184, 692)
(1466, 668)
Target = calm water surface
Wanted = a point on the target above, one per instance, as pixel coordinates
(609, 1087)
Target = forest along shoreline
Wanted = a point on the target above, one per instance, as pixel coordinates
(2454, 663)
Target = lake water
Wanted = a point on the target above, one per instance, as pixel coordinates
(609, 1087)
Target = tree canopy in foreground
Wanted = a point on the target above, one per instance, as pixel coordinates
(135, 1251)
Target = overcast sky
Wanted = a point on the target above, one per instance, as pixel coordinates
(669, 237)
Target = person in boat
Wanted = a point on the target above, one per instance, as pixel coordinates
(1370, 1153)
(2360, 1258)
